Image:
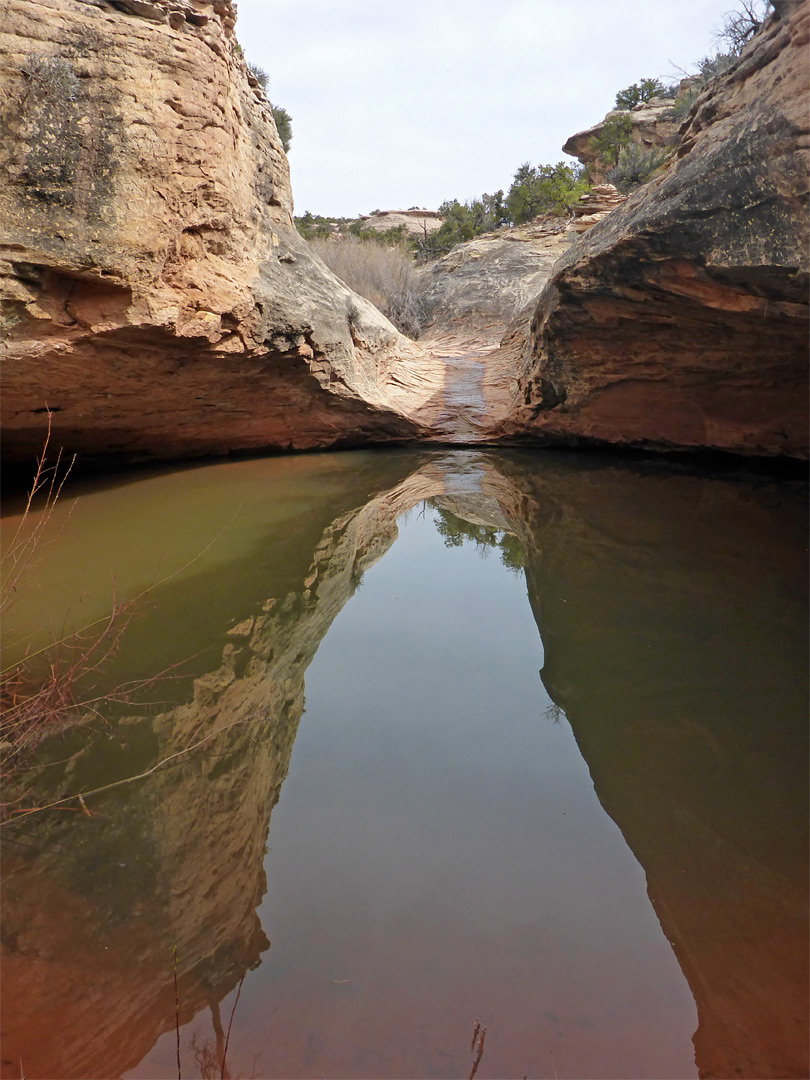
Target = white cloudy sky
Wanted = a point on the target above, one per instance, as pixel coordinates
(410, 102)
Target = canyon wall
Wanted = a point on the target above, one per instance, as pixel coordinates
(680, 320)
(157, 300)
(154, 293)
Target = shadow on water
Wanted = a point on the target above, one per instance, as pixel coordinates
(672, 611)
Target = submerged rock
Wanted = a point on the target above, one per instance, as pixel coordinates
(680, 321)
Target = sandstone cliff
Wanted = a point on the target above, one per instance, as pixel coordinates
(155, 294)
(680, 321)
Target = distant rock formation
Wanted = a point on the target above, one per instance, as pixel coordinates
(154, 293)
(680, 321)
(416, 221)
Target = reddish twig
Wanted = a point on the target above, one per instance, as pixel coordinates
(177, 1013)
(479, 1053)
(228, 1035)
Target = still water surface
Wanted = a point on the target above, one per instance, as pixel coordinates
(548, 773)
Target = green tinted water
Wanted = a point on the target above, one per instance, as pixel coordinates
(550, 774)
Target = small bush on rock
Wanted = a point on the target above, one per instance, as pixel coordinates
(259, 74)
(538, 189)
(616, 133)
(635, 165)
(283, 125)
(643, 90)
(52, 76)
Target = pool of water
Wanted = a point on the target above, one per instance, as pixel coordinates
(441, 742)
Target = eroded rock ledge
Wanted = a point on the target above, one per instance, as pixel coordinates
(680, 321)
(155, 294)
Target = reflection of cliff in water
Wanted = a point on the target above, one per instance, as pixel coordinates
(672, 612)
(668, 608)
(93, 908)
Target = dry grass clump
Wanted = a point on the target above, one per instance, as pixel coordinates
(384, 275)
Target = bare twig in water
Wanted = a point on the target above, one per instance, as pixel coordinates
(479, 1053)
(34, 702)
(553, 1065)
(21, 551)
(228, 1035)
(476, 1029)
(177, 1013)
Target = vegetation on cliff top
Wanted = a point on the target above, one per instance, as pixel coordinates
(280, 115)
(535, 189)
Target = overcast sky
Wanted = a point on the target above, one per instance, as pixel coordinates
(399, 103)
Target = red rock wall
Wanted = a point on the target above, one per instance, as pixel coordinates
(680, 320)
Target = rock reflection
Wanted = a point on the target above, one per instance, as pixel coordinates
(670, 609)
(673, 616)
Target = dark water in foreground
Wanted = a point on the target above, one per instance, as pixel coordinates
(550, 774)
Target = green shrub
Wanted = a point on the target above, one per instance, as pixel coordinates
(616, 133)
(540, 189)
(259, 74)
(384, 275)
(638, 92)
(283, 125)
(314, 226)
(635, 165)
(396, 236)
(462, 221)
(535, 189)
(683, 103)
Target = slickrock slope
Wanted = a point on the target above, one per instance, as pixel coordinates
(153, 290)
(681, 319)
(481, 284)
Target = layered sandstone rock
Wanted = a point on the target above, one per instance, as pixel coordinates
(651, 126)
(601, 200)
(681, 319)
(481, 284)
(155, 294)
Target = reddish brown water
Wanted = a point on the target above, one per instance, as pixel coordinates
(577, 816)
